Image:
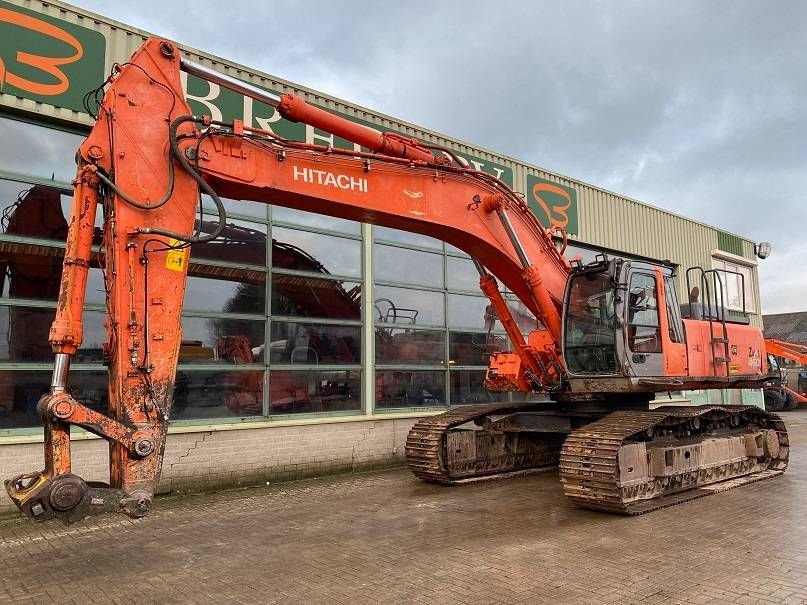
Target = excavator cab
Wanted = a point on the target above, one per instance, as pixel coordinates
(620, 319)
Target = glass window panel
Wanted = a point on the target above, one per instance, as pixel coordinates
(307, 251)
(20, 391)
(24, 335)
(642, 304)
(474, 348)
(312, 343)
(468, 386)
(35, 272)
(461, 274)
(312, 219)
(241, 242)
(403, 306)
(37, 211)
(221, 340)
(587, 255)
(524, 318)
(38, 150)
(67, 209)
(303, 296)
(644, 334)
(408, 266)
(455, 250)
(736, 285)
(313, 391)
(96, 290)
(409, 347)
(92, 346)
(410, 389)
(36, 276)
(469, 311)
(405, 237)
(217, 394)
(225, 296)
(245, 207)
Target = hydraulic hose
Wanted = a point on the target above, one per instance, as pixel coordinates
(176, 152)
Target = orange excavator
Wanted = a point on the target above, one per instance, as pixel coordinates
(778, 394)
(611, 332)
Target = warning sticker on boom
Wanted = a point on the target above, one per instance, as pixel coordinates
(175, 260)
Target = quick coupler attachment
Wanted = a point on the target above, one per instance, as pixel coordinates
(65, 497)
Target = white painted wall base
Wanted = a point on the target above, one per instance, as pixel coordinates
(217, 459)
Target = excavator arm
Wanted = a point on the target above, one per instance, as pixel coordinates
(793, 352)
(145, 164)
(788, 350)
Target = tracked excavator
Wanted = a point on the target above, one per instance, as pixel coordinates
(611, 333)
(778, 394)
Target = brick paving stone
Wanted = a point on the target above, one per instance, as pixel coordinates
(385, 537)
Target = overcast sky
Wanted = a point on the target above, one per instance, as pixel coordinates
(695, 106)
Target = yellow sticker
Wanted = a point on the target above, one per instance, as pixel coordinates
(175, 260)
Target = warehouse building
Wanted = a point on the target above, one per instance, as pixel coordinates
(354, 331)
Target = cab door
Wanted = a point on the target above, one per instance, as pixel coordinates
(642, 323)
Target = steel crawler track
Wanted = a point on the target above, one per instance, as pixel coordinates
(589, 458)
(590, 471)
(426, 447)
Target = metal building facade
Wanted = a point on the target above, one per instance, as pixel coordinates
(376, 380)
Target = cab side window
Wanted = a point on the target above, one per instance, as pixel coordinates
(644, 334)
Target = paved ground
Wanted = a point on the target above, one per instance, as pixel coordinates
(386, 537)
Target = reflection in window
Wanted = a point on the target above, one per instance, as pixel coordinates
(314, 252)
(314, 344)
(222, 340)
(524, 318)
(407, 389)
(24, 335)
(644, 335)
(405, 237)
(314, 391)
(221, 295)
(454, 250)
(240, 242)
(409, 347)
(37, 211)
(411, 307)
(468, 386)
(469, 311)
(34, 272)
(676, 328)
(586, 255)
(33, 211)
(461, 274)
(590, 328)
(247, 208)
(27, 276)
(316, 221)
(38, 150)
(20, 391)
(304, 296)
(735, 282)
(391, 263)
(474, 348)
(217, 394)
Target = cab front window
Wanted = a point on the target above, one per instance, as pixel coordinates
(590, 330)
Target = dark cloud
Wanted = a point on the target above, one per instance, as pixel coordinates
(692, 106)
